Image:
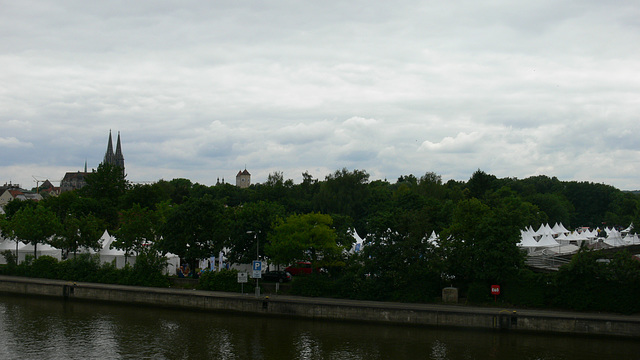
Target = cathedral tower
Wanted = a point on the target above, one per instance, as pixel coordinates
(115, 159)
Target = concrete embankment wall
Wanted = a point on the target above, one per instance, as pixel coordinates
(333, 309)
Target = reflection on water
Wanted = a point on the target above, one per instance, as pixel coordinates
(33, 328)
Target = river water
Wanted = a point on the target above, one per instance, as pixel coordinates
(43, 328)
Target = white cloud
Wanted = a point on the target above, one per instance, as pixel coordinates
(200, 90)
(12, 142)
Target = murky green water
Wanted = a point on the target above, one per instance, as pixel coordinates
(40, 328)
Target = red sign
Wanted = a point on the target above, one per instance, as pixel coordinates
(495, 289)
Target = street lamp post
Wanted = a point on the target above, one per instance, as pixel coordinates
(255, 237)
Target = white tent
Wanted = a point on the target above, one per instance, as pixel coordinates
(545, 230)
(527, 241)
(357, 246)
(41, 249)
(563, 249)
(632, 239)
(560, 229)
(614, 239)
(562, 239)
(9, 245)
(107, 254)
(433, 239)
(173, 264)
(547, 241)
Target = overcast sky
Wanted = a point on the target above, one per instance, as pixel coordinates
(201, 89)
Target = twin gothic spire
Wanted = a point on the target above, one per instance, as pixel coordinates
(116, 159)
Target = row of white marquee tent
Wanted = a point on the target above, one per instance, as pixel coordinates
(546, 239)
(554, 240)
(559, 240)
(106, 253)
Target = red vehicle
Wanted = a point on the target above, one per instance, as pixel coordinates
(300, 267)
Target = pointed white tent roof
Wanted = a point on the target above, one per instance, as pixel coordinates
(547, 241)
(106, 246)
(359, 242)
(614, 239)
(42, 249)
(10, 245)
(527, 241)
(545, 230)
(433, 238)
(576, 236)
(562, 238)
(558, 228)
(106, 240)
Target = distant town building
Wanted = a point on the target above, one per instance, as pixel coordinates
(243, 179)
(15, 194)
(48, 188)
(9, 186)
(73, 181)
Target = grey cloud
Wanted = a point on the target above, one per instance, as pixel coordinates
(201, 89)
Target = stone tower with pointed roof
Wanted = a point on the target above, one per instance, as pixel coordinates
(116, 159)
(243, 179)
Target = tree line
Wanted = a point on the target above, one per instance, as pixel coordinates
(478, 222)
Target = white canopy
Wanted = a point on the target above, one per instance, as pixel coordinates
(563, 249)
(614, 239)
(9, 245)
(547, 241)
(41, 249)
(357, 247)
(545, 230)
(527, 240)
(560, 229)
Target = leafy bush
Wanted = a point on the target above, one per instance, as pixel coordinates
(591, 283)
(479, 293)
(44, 267)
(148, 270)
(313, 285)
(526, 288)
(225, 280)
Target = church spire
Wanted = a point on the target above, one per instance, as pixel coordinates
(119, 158)
(116, 159)
(109, 157)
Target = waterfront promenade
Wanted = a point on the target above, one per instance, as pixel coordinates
(437, 315)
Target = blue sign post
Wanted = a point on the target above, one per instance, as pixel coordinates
(257, 274)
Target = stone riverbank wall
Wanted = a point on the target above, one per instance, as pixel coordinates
(333, 309)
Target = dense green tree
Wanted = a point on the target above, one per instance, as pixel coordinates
(308, 237)
(34, 226)
(557, 208)
(480, 183)
(430, 185)
(180, 190)
(146, 195)
(252, 222)
(13, 207)
(346, 192)
(76, 233)
(107, 184)
(591, 202)
(399, 265)
(137, 229)
(196, 229)
(304, 195)
(480, 244)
